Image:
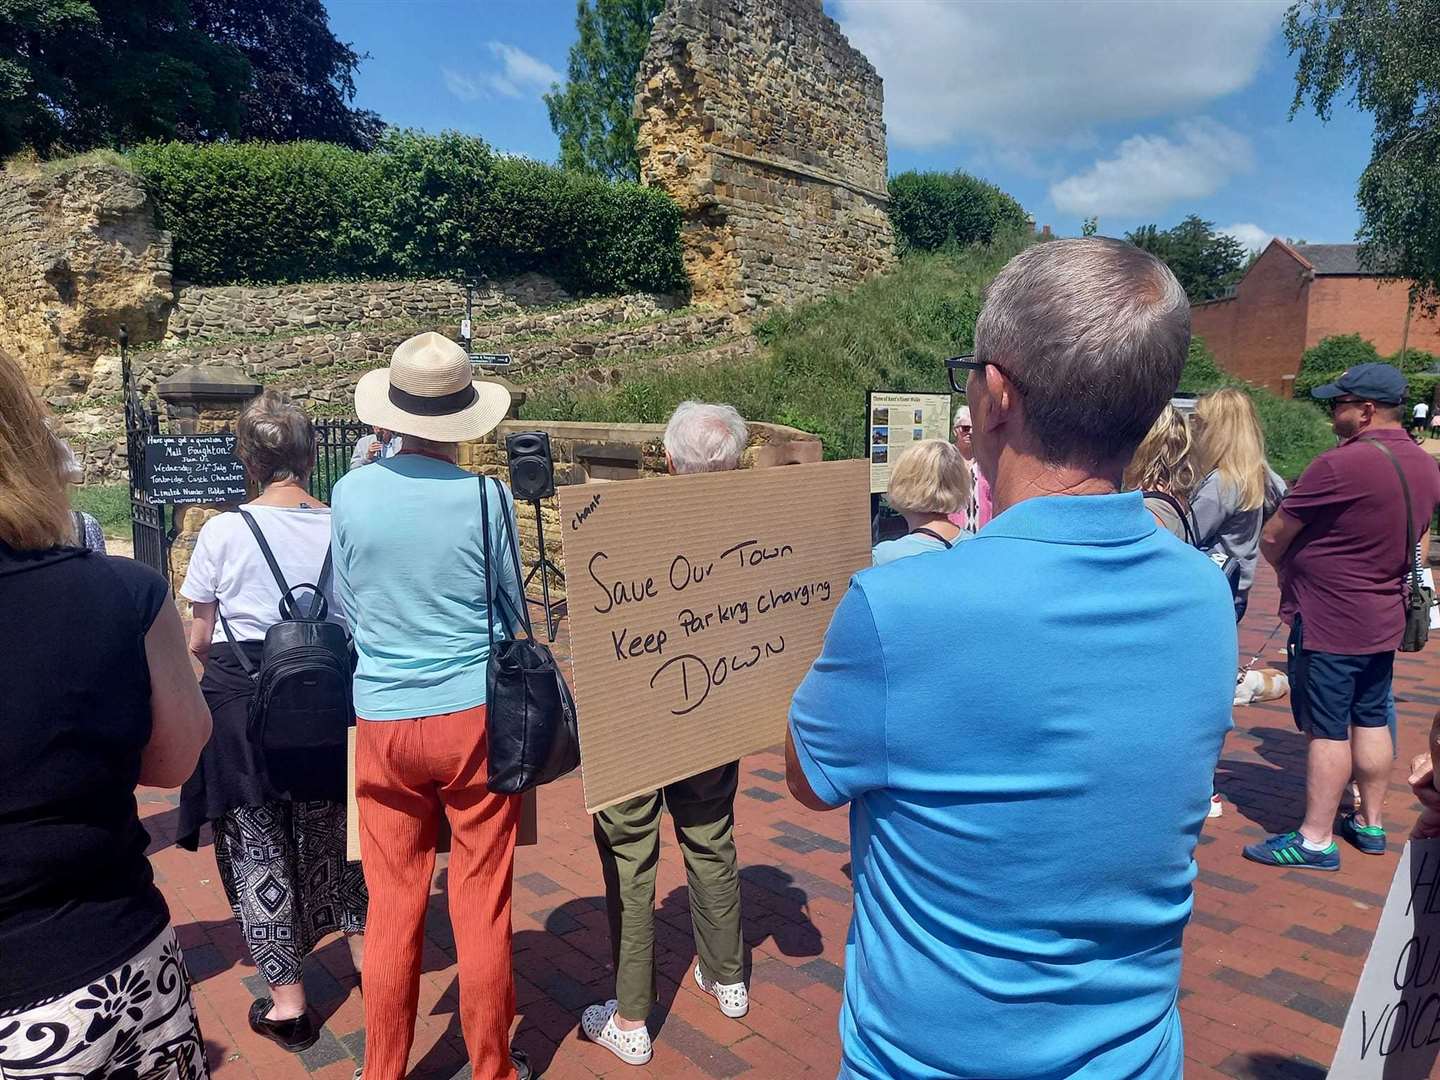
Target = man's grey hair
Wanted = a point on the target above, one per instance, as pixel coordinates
(1094, 333)
(705, 438)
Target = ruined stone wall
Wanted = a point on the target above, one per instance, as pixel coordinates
(217, 311)
(767, 128)
(79, 256)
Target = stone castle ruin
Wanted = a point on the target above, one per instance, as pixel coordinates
(766, 126)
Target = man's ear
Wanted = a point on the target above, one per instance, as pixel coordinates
(1001, 394)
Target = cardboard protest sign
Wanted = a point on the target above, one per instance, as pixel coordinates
(1393, 1028)
(895, 421)
(697, 603)
(194, 469)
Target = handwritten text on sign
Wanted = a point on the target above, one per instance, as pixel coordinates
(1393, 1027)
(697, 604)
(193, 469)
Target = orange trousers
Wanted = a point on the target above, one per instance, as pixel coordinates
(407, 774)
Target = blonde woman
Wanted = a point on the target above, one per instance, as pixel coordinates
(99, 698)
(1163, 470)
(1229, 505)
(929, 482)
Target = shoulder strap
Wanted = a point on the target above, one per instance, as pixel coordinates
(265, 550)
(489, 564)
(1182, 512)
(522, 618)
(245, 664)
(931, 532)
(319, 606)
(1412, 562)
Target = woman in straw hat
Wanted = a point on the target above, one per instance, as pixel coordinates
(410, 564)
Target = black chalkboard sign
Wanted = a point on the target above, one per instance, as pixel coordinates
(194, 469)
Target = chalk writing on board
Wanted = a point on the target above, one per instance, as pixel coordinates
(186, 469)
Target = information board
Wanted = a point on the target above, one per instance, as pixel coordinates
(697, 604)
(893, 421)
(194, 469)
(1393, 1028)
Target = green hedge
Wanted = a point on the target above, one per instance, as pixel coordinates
(1326, 361)
(933, 210)
(416, 206)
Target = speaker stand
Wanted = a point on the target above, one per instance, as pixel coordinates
(544, 567)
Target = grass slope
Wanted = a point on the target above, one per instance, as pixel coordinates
(109, 504)
(892, 333)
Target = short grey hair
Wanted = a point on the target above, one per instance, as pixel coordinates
(1094, 332)
(705, 438)
(275, 439)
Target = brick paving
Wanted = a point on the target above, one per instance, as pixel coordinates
(1271, 957)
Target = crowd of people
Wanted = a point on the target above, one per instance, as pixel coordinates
(1078, 519)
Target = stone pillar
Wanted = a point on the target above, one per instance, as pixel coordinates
(200, 401)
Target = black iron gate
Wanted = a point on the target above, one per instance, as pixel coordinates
(147, 519)
(334, 445)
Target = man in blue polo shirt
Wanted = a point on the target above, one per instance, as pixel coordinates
(1026, 726)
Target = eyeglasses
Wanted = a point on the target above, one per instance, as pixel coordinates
(969, 363)
(963, 427)
(1334, 403)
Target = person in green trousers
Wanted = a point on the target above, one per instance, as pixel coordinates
(698, 438)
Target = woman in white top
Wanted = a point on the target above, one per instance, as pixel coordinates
(929, 482)
(278, 819)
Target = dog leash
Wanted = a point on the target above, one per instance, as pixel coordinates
(1261, 651)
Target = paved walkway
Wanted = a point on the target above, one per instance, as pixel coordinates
(1272, 956)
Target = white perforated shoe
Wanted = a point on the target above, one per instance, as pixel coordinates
(598, 1024)
(734, 999)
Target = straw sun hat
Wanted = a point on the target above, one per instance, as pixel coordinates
(427, 391)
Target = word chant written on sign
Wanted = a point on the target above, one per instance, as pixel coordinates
(697, 604)
(194, 469)
(1393, 1026)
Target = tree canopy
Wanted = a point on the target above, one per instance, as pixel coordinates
(593, 113)
(1206, 262)
(1386, 53)
(302, 78)
(80, 74)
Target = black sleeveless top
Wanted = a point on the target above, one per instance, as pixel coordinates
(77, 897)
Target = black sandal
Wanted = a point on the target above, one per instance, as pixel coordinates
(295, 1035)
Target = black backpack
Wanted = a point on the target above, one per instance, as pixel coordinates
(302, 698)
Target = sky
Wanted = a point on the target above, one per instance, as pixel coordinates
(1131, 111)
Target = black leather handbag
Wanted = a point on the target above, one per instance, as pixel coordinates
(530, 724)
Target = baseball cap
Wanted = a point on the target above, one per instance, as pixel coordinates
(1373, 382)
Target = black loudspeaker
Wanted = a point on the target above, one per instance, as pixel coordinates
(532, 470)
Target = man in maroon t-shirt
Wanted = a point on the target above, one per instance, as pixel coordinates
(1339, 543)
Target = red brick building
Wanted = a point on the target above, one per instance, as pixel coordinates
(1295, 296)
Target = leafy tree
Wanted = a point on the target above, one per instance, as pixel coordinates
(75, 74)
(1387, 53)
(1206, 262)
(302, 78)
(594, 112)
(1090, 226)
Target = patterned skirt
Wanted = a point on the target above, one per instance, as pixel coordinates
(136, 1023)
(285, 874)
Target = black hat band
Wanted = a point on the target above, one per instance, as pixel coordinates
(444, 405)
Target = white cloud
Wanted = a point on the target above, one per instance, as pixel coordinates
(1047, 70)
(1252, 236)
(518, 75)
(1149, 172)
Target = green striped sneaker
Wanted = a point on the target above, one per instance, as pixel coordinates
(1368, 838)
(1287, 850)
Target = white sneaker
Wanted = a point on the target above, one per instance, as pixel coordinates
(1216, 807)
(598, 1024)
(734, 999)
